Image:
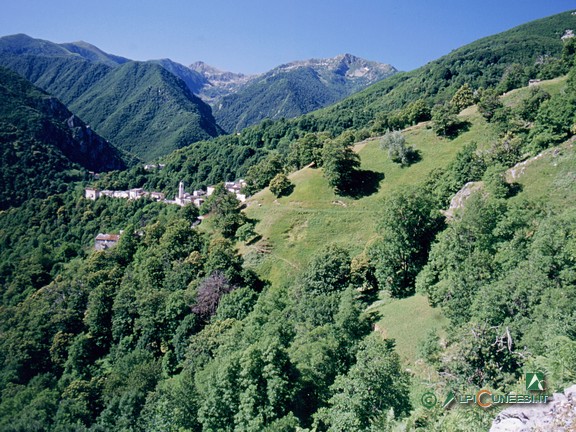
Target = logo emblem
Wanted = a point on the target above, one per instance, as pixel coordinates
(451, 397)
(534, 381)
(428, 400)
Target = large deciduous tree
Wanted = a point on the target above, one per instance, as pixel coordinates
(463, 98)
(339, 164)
(328, 271)
(395, 143)
(407, 227)
(224, 207)
(445, 122)
(489, 103)
(260, 175)
(281, 185)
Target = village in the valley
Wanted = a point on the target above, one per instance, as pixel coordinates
(183, 198)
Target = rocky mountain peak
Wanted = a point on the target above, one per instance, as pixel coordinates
(214, 74)
(346, 65)
(218, 83)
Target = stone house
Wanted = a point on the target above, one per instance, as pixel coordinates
(106, 241)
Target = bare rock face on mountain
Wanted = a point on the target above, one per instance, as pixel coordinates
(87, 147)
(559, 414)
(218, 83)
(35, 115)
(348, 66)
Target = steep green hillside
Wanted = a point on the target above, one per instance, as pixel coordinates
(394, 103)
(298, 225)
(551, 177)
(513, 249)
(507, 60)
(146, 109)
(141, 108)
(44, 145)
(409, 334)
(350, 301)
(172, 321)
(293, 227)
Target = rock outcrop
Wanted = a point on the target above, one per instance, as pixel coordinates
(558, 415)
(458, 200)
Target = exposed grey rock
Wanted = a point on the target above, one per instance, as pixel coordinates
(458, 200)
(559, 414)
(218, 83)
(517, 170)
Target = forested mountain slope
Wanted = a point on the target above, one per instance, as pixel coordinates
(158, 331)
(146, 109)
(44, 145)
(511, 244)
(93, 53)
(140, 107)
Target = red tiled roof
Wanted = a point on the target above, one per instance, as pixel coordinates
(108, 237)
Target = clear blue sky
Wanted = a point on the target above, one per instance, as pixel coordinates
(253, 36)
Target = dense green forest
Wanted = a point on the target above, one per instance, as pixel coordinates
(183, 328)
(146, 110)
(168, 331)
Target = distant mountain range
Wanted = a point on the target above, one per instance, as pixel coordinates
(141, 107)
(294, 89)
(42, 144)
(151, 108)
(289, 90)
(82, 76)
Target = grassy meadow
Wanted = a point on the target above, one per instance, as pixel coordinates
(295, 227)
